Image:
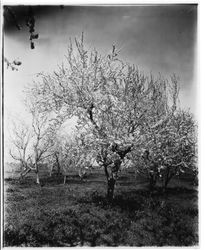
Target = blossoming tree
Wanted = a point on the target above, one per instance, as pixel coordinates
(114, 102)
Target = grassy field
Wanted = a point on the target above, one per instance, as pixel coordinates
(77, 214)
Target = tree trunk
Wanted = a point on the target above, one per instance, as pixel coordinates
(166, 183)
(152, 181)
(168, 177)
(37, 175)
(110, 189)
(37, 178)
(167, 180)
(51, 170)
(81, 237)
(58, 165)
(65, 177)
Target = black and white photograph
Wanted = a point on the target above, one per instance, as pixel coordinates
(100, 125)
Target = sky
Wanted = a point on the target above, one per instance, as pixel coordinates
(157, 38)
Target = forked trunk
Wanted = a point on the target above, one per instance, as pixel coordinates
(24, 173)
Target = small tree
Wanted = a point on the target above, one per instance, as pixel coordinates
(56, 154)
(20, 139)
(113, 101)
(78, 153)
(43, 141)
(31, 146)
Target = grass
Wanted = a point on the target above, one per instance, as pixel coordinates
(77, 214)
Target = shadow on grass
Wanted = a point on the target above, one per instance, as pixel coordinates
(141, 199)
(25, 182)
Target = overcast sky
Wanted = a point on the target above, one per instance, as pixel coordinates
(160, 38)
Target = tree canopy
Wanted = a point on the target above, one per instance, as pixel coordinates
(118, 107)
(111, 98)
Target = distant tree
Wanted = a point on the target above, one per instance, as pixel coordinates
(31, 146)
(54, 162)
(78, 153)
(43, 141)
(113, 101)
(179, 147)
(20, 138)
